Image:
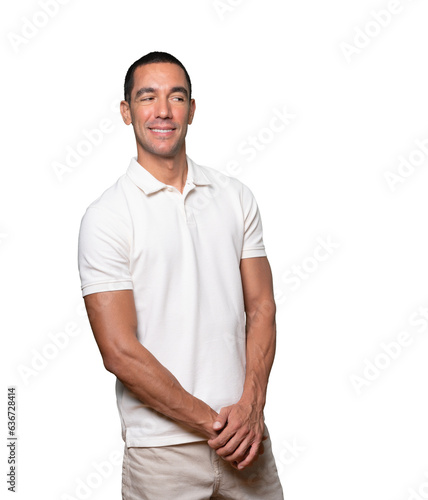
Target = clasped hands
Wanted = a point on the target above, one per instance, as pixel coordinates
(240, 429)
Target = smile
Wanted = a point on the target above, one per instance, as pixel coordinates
(162, 130)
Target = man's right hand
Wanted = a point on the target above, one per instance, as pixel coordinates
(241, 432)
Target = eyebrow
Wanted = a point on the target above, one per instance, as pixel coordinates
(151, 90)
(183, 90)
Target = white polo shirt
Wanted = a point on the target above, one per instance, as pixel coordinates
(180, 253)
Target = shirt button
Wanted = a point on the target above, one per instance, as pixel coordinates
(169, 189)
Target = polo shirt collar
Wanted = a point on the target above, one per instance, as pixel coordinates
(149, 184)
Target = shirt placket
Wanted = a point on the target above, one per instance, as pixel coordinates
(180, 199)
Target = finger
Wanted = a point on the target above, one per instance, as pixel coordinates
(239, 453)
(230, 446)
(251, 457)
(220, 421)
(222, 439)
(218, 424)
(235, 463)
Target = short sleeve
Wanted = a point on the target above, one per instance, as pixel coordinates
(103, 252)
(253, 245)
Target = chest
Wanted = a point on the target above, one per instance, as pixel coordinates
(202, 222)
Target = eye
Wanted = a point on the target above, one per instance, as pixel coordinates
(178, 99)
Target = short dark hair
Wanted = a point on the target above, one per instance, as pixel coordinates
(150, 58)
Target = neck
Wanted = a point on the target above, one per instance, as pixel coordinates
(169, 170)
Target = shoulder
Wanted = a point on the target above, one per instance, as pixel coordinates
(111, 207)
(221, 179)
(231, 187)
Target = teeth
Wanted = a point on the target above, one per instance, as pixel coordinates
(162, 130)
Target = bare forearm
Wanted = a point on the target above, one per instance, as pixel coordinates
(261, 343)
(113, 320)
(240, 441)
(241, 425)
(157, 387)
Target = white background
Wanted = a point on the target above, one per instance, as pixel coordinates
(321, 178)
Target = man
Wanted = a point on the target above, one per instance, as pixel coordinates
(178, 290)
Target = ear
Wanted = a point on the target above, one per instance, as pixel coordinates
(192, 111)
(125, 111)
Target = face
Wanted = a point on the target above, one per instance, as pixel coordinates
(159, 109)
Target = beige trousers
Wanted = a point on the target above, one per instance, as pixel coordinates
(193, 471)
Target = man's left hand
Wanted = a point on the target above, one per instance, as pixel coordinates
(241, 436)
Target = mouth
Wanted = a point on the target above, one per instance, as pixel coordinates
(162, 131)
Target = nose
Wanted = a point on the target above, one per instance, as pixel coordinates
(163, 108)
